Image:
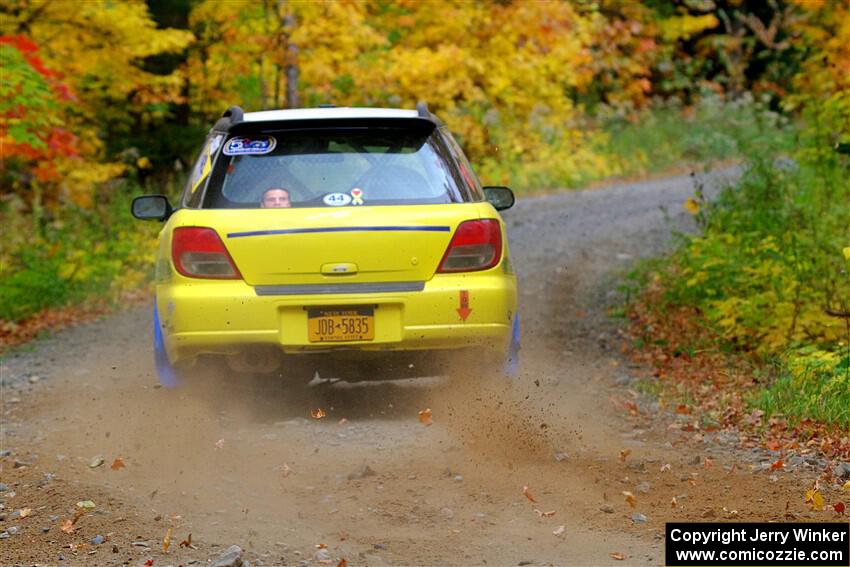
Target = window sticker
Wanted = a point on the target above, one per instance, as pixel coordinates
(337, 199)
(215, 143)
(204, 165)
(250, 146)
(357, 196)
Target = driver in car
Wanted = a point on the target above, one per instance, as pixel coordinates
(275, 198)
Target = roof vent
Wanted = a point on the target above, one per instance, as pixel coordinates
(422, 109)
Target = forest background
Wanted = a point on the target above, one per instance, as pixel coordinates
(106, 99)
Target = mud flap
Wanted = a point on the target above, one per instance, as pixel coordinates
(511, 368)
(164, 369)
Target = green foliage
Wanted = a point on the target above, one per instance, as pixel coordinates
(670, 134)
(661, 137)
(816, 386)
(84, 254)
(32, 285)
(23, 88)
(768, 271)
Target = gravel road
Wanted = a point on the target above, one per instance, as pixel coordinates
(368, 483)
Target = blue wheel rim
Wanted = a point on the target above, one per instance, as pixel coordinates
(164, 368)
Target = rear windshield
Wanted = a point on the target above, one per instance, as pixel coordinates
(335, 167)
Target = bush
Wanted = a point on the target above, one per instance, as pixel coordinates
(768, 274)
(99, 252)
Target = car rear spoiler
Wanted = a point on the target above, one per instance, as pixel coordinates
(232, 116)
(236, 115)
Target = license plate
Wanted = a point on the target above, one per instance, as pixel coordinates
(341, 324)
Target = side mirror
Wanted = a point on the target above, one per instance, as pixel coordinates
(500, 197)
(152, 207)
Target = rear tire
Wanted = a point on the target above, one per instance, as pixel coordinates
(511, 368)
(477, 362)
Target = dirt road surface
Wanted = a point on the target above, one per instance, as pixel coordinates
(369, 483)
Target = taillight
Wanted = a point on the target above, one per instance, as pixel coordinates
(198, 252)
(476, 245)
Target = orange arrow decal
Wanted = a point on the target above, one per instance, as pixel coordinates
(464, 309)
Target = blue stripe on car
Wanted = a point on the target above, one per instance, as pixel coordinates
(340, 229)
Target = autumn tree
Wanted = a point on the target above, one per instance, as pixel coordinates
(98, 49)
(33, 139)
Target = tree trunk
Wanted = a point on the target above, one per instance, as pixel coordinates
(291, 68)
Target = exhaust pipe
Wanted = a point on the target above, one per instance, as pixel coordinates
(261, 360)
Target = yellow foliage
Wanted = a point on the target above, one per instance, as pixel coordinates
(826, 72)
(79, 183)
(71, 35)
(683, 27)
(496, 73)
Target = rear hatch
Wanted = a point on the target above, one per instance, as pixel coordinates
(336, 245)
(362, 200)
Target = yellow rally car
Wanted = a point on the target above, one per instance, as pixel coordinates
(332, 238)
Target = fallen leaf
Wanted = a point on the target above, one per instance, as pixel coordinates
(166, 541)
(773, 445)
(67, 526)
(425, 417)
(559, 531)
(779, 464)
(187, 542)
(219, 444)
(692, 481)
(148, 563)
(118, 464)
(342, 421)
(839, 508)
(674, 503)
(321, 546)
(707, 463)
(542, 514)
(618, 556)
(630, 498)
(691, 206)
(96, 462)
(814, 499)
(286, 470)
(846, 487)
(318, 413)
(682, 409)
(665, 467)
(24, 512)
(342, 563)
(86, 505)
(527, 494)
(624, 454)
(846, 252)
(733, 468)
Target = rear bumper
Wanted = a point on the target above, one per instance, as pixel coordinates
(223, 317)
